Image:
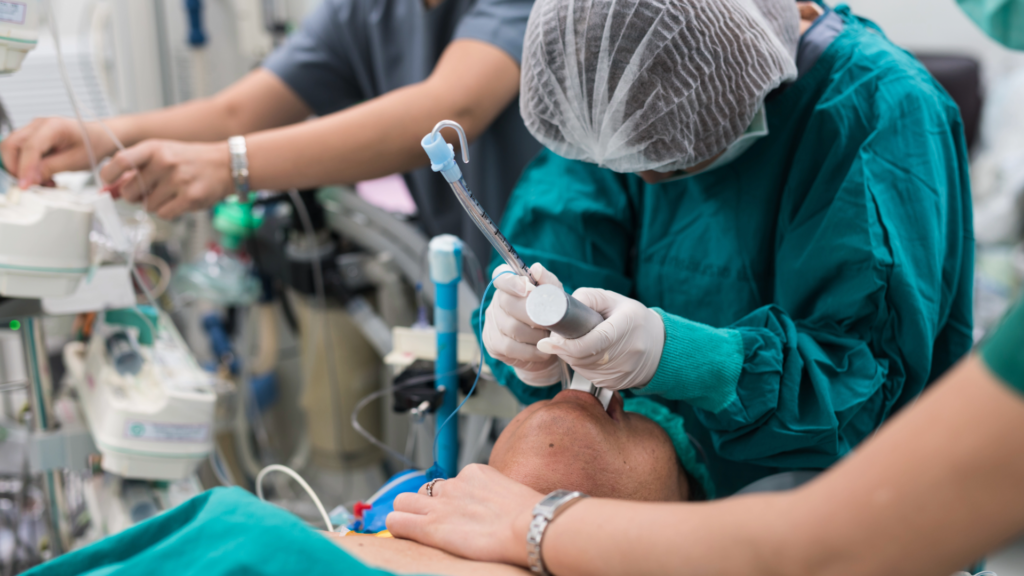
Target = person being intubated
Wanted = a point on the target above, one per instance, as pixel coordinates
(571, 443)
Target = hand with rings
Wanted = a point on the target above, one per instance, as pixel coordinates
(480, 514)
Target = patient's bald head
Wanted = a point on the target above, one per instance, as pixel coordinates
(572, 443)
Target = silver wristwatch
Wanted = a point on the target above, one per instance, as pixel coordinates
(543, 513)
(239, 167)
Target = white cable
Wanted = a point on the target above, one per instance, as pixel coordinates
(388, 390)
(95, 170)
(162, 267)
(71, 93)
(295, 476)
(321, 296)
(165, 278)
(92, 158)
(245, 452)
(90, 150)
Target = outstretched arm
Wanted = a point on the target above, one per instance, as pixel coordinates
(46, 146)
(471, 84)
(936, 489)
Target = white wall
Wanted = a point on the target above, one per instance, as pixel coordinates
(938, 26)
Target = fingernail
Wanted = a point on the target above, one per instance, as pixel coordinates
(546, 346)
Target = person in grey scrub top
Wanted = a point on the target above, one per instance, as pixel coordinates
(378, 74)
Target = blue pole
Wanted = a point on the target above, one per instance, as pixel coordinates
(445, 256)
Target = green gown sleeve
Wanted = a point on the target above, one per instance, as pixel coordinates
(1003, 350)
(1002, 20)
(578, 221)
(870, 255)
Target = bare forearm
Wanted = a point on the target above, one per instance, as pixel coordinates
(472, 84)
(367, 141)
(256, 102)
(196, 120)
(936, 489)
(731, 537)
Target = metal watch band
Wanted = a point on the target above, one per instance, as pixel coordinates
(543, 513)
(239, 167)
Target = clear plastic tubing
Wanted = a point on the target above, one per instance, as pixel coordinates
(442, 158)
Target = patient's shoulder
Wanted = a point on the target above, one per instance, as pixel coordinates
(408, 557)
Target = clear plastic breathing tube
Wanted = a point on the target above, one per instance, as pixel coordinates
(442, 158)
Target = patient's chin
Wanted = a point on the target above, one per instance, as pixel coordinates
(599, 479)
(546, 479)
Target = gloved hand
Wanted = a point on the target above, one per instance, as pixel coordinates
(509, 335)
(621, 352)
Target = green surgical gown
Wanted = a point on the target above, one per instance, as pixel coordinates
(1003, 20)
(221, 532)
(835, 255)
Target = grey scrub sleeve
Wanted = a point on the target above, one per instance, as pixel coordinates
(498, 22)
(348, 51)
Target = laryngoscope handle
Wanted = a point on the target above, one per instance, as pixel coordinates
(550, 307)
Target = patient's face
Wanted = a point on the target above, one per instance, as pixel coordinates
(571, 442)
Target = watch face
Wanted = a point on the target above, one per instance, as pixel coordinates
(552, 499)
(550, 503)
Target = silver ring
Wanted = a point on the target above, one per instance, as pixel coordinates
(430, 486)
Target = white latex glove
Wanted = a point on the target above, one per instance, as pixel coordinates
(621, 352)
(509, 335)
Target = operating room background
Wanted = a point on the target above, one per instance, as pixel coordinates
(129, 56)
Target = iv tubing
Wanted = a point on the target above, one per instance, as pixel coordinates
(379, 393)
(71, 93)
(305, 486)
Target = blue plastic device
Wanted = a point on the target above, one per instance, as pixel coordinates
(442, 155)
(196, 36)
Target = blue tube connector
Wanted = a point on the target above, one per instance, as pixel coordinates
(442, 154)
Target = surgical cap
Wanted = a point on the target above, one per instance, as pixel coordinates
(663, 85)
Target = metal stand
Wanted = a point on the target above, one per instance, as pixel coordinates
(40, 384)
(40, 387)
